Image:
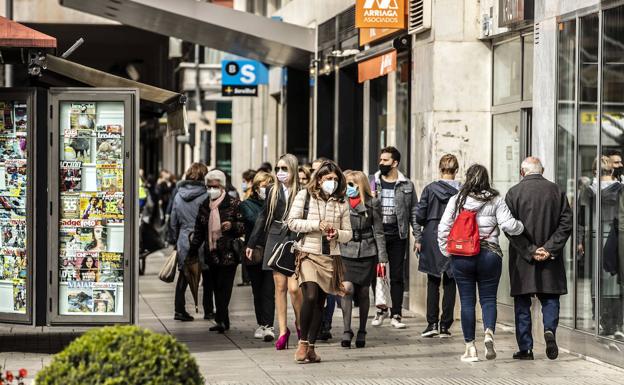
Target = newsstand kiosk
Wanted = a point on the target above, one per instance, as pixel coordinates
(68, 213)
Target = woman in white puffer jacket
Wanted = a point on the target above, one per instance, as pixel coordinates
(482, 270)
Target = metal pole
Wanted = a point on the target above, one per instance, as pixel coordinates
(8, 68)
(313, 134)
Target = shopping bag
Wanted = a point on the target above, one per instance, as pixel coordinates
(168, 271)
(382, 288)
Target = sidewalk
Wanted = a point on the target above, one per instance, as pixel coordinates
(391, 356)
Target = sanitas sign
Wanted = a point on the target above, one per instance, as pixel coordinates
(380, 14)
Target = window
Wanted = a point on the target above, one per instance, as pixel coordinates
(508, 72)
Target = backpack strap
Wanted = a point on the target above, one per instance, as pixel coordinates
(306, 206)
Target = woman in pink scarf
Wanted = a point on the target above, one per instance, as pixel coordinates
(219, 225)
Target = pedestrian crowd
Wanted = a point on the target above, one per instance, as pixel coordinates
(323, 237)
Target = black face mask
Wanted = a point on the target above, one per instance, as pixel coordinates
(618, 172)
(384, 169)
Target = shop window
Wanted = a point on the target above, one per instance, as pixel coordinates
(378, 118)
(508, 72)
(402, 112)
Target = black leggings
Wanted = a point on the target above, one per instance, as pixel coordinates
(311, 310)
(362, 294)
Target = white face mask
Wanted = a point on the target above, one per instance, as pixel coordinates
(262, 193)
(329, 186)
(244, 186)
(282, 176)
(214, 193)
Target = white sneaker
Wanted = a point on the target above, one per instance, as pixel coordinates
(380, 316)
(471, 353)
(490, 352)
(269, 334)
(259, 333)
(619, 335)
(396, 322)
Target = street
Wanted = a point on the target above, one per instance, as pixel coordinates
(391, 356)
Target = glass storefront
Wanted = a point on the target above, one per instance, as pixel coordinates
(590, 142)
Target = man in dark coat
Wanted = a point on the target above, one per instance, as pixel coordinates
(536, 260)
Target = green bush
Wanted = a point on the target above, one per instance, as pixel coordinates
(122, 355)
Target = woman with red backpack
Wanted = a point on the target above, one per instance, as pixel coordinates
(468, 234)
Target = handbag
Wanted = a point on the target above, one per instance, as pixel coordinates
(383, 300)
(284, 254)
(168, 271)
(257, 256)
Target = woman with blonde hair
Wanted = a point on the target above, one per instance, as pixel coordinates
(319, 266)
(269, 230)
(262, 285)
(361, 253)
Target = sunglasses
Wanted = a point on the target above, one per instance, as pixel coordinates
(283, 168)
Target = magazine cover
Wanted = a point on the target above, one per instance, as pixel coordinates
(71, 176)
(109, 148)
(12, 147)
(113, 206)
(90, 206)
(82, 116)
(110, 177)
(111, 129)
(12, 207)
(88, 266)
(79, 299)
(13, 233)
(103, 301)
(70, 206)
(111, 267)
(20, 112)
(19, 295)
(77, 149)
(69, 241)
(14, 264)
(15, 171)
(5, 118)
(93, 238)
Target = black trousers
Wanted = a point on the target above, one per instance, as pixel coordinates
(395, 247)
(263, 289)
(448, 300)
(222, 282)
(208, 298)
(182, 284)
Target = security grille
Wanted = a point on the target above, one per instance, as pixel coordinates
(419, 15)
(327, 33)
(346, 24)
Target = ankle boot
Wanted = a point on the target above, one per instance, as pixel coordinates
(312, 357)
(302, 352)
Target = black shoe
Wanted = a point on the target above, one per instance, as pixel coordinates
(430, 331)
(523, 355)
(324, 335)
(209, 315)
(347, 336)
(183, 316)
(360, 341)
(219, 327)
(552, 350)
(444, 332)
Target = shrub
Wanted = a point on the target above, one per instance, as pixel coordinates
(121, 355)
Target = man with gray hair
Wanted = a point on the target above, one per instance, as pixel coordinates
(536, 260)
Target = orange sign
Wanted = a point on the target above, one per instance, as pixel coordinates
(377, 66)
(380, 14)
(369, 35)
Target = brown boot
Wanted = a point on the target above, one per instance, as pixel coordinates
(312, 357)
(302, 352)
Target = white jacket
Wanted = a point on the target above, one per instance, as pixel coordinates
(490, 215)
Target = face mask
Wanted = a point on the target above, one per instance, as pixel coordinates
(214, 193)
(384, 169)
(262, 193)
(618, 172)
(282, 176)
(352, 191)
(244, 187)
(329, 186)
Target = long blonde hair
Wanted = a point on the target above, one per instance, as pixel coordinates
(261, 177)
(293, 170)
(363, 186)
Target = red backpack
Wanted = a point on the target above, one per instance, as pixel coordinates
(464, 239)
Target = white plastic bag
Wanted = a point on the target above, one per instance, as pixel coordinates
(383, 300)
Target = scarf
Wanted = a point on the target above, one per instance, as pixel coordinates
(354, 202)
(214, 222)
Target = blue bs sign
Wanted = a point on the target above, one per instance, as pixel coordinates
(242, 77)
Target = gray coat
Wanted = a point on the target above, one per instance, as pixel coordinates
(406, 202)
(189, 197)
(368, 233)
(547, 217)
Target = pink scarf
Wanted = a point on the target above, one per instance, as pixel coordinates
(214, 222)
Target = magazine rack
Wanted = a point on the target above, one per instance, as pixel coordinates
(93, 212)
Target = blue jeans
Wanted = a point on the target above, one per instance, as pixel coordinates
(328, 313)
(482, 271)
(522, 309)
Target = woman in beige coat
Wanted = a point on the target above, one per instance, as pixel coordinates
(319, 267)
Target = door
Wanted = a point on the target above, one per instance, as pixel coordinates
(93, 210)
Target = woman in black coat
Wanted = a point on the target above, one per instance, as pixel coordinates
(429, 212)
(269, 230)
(262, 285)
(219, 225)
